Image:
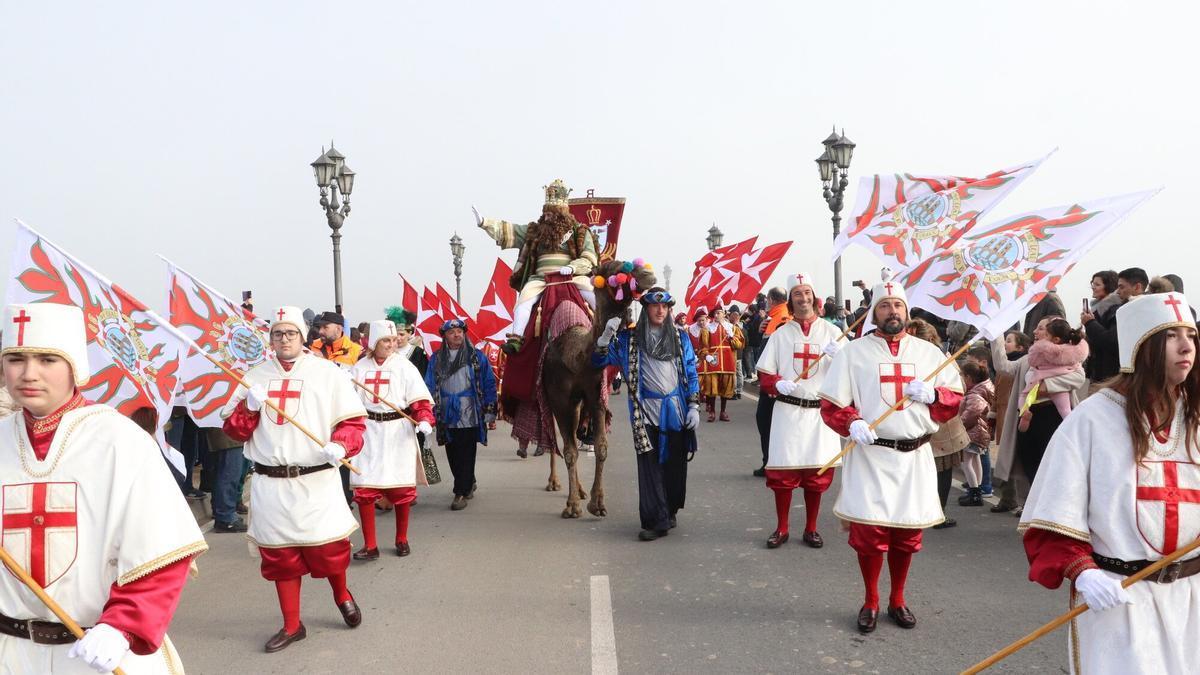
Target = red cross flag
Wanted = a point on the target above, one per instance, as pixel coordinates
(992, 276)
(903, 218)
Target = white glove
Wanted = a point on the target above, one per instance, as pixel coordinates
(785, 387)
(102, 647)
(610, 330)
(693, 417)
(832, 349)
(711, 359)
(478, 218)
(424, 427)
(861, 433)
(255, 396)
(920, 391)
(333, 452)
(1101, 589)
(566, 269)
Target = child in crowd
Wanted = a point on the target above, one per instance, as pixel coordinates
(975, 409)
(1063, 351)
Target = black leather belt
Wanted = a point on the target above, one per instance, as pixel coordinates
(40, 632)
(383, 417)
(287, 471)
(906, 445)
(802, 402)
(1174, 571)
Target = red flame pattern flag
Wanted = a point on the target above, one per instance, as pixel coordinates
(221, 328)
(133, 353)
(734, 273)
(495, 316)
(904, 218)
(991, 278)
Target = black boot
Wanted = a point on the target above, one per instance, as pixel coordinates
(973, 497)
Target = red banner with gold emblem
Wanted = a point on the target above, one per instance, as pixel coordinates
(603, 216)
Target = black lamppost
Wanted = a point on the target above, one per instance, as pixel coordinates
(715, 237)
(834, 165)
(333, 175)
(457, 249)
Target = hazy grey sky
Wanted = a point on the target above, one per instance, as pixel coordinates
(186, 129)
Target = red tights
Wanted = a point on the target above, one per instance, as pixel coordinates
(289, 598)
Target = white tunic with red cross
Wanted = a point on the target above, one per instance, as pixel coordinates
(799, 438)
(101, 508)
(1089, 488)
(311, 509)
(883, 486)
(390, 456)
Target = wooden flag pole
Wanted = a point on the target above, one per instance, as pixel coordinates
(386, 402)
(48, 601)
(895, 406)
(846, 332)
(1077, 610)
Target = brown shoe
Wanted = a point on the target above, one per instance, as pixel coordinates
(866, 619)
(902, 616)
(776, 539)
(282, 639)
(712, 416)
(241, 508)
(351, 614)
(813, 539)
(724, 417)
(459, 503)
(402, 549)
(365, 553)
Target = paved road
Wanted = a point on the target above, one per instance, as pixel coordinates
(508, 586)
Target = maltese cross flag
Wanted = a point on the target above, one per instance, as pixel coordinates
(734, 273)
(495, 316)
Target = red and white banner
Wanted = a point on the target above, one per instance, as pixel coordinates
(452, 310)
(714, 270)
(429, 320)
(411, 301)
(495, 317)
(224, 330)
(603, 215)
(734, 273)
(903, 218)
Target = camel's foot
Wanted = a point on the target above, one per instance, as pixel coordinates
(581, 494)
(572, 510)
(596, 507)
(553, 485)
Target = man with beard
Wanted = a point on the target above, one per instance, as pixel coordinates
(889, 481)
(556, 245)
(659, 365)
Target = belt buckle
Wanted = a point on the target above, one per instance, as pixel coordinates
(1170, 573)
(293, 471)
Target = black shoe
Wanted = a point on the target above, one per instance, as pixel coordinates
(459, 503)
(866, 620)
(947, 523)
(238, 525)
(673, 523)
(813, 539)
(241, 509)
(902, 616)
(194, 495)
(973, 497)
(283, 639)
(403, 549)
(365, 553)
(651, 535)
(1003, 508)
(760, 472)
(776, 539)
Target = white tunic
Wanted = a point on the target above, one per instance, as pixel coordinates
(102, 508)
(311, 509)
(799, 438)
(882, 486)
(1087, 488)
(391, 456)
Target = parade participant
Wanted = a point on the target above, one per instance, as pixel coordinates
(791, 370)
(659, 366)
(390, 462)
(889, 482)
(738, 338)
(334, 345)
(91, 513)
(775, 316)
(301, 524)
(1116, 491)
(408, 343)
(463, 386)
(717, 362)
(556, 244)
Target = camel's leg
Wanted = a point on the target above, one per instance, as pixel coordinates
(568, 420)
(596, 505)
(553, 485)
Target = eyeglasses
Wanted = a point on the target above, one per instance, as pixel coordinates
(285, 334)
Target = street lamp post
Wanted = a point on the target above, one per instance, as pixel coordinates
(834, 165)
(333, 175)
(667, 277)
(715, 237)
(457, 249)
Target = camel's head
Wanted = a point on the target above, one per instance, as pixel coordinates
(622, 281)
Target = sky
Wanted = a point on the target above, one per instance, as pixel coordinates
(186, 129)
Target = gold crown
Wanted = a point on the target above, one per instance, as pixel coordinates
(556, 193)
(594, 214)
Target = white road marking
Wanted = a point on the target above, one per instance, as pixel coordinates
(752, 397)
(604, 641)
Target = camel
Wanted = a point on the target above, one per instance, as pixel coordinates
(572, 389)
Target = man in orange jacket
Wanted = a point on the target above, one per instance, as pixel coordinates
(334, 345)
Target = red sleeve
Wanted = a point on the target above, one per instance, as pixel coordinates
(350, 434)
(766, 383)
(241, 424)
(1054, 557)
(945, 407)
(837, 417)
(422, 411)
(142, 609)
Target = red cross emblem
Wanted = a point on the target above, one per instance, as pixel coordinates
(282, 394)
(1171, 301)
(40, 532)
(280, 314)
(374, 382)
(892, 378)
(23, 318)
(1168, 504)
(887, 288)
(809, 355)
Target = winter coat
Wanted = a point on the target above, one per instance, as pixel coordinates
(1104, 361)
(974, 411)
(1050, 364)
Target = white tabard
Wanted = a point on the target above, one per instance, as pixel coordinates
(1089, 488)
(311, 509)
(799, 438)
(102, 508)
(390, 456)
(882, 486)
